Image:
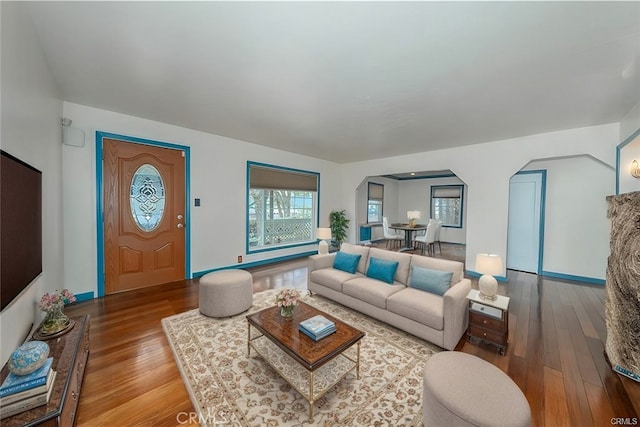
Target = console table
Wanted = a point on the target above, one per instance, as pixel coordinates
(70, 353)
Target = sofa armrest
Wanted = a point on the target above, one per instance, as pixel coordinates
(456, 313)
(317, 262)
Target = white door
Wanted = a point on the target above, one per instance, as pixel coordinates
(525, 215)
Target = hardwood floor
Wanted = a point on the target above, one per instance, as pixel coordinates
(555, 353)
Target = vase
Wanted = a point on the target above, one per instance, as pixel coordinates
(287, 310)
(55, 320)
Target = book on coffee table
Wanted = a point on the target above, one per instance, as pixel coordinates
(319, 336)
(317, 324)
(317, 327)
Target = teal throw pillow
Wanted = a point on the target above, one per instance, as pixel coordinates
(382, 270)
(346, 262)
(433, 281)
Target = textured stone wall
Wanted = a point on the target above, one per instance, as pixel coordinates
(622, 307)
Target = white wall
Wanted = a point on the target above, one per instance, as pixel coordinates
(415, 195)
(630, 123)
(30, 130)
(486, 170)
(576, 216)
(218, 178)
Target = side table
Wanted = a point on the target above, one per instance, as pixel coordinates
(70, 353)
(489, 319)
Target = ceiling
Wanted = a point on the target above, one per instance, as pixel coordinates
(349, 81)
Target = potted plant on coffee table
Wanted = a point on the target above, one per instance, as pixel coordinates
(338, 223)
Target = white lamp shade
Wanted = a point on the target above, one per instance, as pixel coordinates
(413, 214)
(490, 264)
(324, 233)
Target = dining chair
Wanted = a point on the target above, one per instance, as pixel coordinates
(437, 237)
(426, 241)
(390, 235)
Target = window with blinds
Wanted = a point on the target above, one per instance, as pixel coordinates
(375, 201)
(446, 204)
(282, 206)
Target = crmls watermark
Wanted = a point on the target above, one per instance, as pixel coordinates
(624, 421)
(208, 418)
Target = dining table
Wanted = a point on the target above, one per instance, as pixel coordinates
(408, 234)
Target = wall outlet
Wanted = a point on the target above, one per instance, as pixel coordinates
(239, 258)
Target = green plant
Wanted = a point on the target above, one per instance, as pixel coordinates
(339, 223)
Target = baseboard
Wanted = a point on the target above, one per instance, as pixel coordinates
(584, 279)
(86, 296)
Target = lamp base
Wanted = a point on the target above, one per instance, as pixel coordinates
(488, 286)
(488, 297)
(323, 247)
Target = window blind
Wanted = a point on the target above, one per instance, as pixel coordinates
(446, 193)
(376, 191)
(261, 177)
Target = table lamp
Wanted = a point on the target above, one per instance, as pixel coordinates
(413, 215)
(323, 234)
(488, 265)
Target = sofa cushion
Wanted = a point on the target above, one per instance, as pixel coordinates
(404, 261)
(360, 250)
(382, 270)
(423, 307)
(371, 291)
(434, 281)
(331, 278)
(440, 264)
(346, 262)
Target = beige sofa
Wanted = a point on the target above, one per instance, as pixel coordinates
(441, 320)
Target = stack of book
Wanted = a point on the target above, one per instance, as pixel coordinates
(19, 393)
(317, 327)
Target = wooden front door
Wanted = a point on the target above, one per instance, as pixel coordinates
(144, 215)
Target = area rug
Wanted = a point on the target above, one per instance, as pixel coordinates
(229, 388)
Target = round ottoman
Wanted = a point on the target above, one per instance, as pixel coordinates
(463, 390)
(225, 293)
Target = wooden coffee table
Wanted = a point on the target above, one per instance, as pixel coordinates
(320, 364)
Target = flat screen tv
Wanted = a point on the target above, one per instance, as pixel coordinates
(20, 226)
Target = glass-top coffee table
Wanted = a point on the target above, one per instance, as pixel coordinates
(319, 365)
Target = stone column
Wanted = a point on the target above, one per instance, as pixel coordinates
(622, 306)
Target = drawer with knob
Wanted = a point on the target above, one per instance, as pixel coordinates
(486, 322)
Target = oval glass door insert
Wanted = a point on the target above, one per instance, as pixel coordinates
(147, 197)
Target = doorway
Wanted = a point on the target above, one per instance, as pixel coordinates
(525, 232)
(143, 226)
